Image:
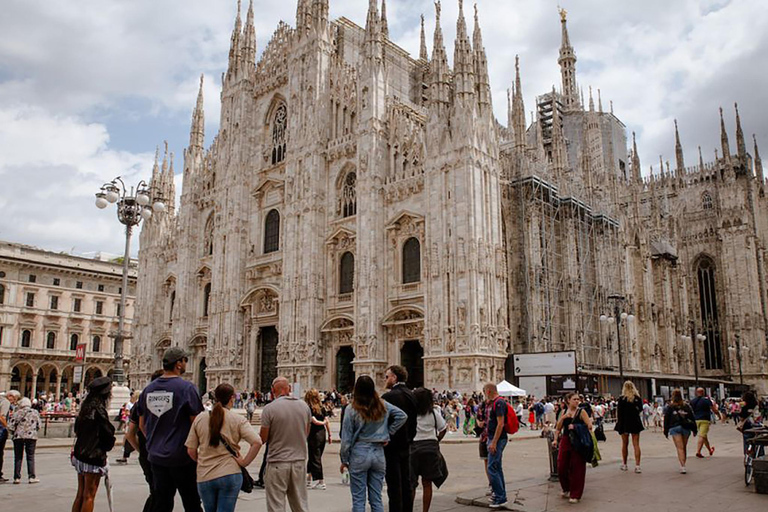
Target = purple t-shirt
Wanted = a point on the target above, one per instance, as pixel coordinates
(167, 404)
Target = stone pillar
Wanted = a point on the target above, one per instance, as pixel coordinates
(34, 386)
(59, 376)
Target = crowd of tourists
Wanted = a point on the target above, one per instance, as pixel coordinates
(192, 448)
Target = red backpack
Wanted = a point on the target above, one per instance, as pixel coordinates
(512, 425)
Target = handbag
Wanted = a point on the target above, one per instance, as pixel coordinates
(581, 438)
(443, 464)
(247, 485)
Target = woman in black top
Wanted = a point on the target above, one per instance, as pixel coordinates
(749, 416)
(571, 466)
(95, 438)
(628, 423)
(319, 427)
(679, 423)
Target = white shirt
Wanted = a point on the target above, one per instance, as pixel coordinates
(549, 408)
(427, 424)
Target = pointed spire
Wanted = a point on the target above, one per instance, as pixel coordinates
(248, 51)
(661, 165)
(481, 64)
(234, 47)
(567, 63)
(439, 72)
(423, 55)
(165, 158)
(384, 23)
(156, 167)
(373, 39)
(320, 13)
(463, 65)
(518, 108)
(636, 169)
(741, 145)
(197, 132)
(599, 102)
(591, 100)
(559, 154)
(758, 163)
(724, 137)
(303, 17)
(701, 160)
(679, 160)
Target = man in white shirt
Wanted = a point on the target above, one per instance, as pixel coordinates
(549, 412)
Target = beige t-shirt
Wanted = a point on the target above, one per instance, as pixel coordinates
(216, 462)
(287, 419)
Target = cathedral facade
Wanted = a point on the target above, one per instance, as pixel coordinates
(361, 207)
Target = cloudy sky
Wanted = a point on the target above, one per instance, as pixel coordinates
(89, 88)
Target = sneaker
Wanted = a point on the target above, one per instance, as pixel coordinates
(711, 451)
(3, 480)
(17, 480)
(498, 504)
(573, 500)
(638, 470)
(699, 456)
(320, 487)
(489, 492)
(259, 484)
(565, 495)
(623, 467)
(121, 460)
(683, 470)
(34, 480)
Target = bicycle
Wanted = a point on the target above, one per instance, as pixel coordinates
(755, 448)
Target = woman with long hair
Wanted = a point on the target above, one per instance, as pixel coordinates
(95, 438)
(679, 423)
(749, 416)
(628, 423)
(368, 424)
(319, 429)
(214, 443)
(571, 466)
(426, 459)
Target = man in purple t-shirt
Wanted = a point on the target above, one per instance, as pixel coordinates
(167, 407)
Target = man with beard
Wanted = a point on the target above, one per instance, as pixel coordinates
(167, 407)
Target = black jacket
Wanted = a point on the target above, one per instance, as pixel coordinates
(402, 397)
(95, 437)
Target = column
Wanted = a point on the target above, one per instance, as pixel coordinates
(59, 376)
(34, 385)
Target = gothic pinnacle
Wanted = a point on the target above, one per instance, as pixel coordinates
(384, 23)
(591, 100)
(423, 55)
(440, 87)
(234, 48)
(679, 160)
(481, 64)
(636, 169)
(599, 102)
(741, 145)
(518, 108)
(463, 66)
(701, 160)
(758, 162)
(567, 63)
(197, 132)
(724, 137)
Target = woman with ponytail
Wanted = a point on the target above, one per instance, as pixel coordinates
(219, 476)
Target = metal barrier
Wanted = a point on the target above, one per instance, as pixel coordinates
(58, 417)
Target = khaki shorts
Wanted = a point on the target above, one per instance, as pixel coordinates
(703, 427)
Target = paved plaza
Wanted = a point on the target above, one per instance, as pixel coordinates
(716, 482)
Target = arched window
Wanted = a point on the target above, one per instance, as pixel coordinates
(73, 341)
(347, 273)
(279, 127)
(50, 341)
(2, 294)
(272, 232)
(206, 299)
(173, 303)
(411, 261)
(97, 343)
(706, 201)
(349, 196)
(26, 338)
(208, 237)
(713, 350)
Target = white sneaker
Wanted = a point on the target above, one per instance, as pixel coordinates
(34, 480)
(683, 470)
(638, 470)
(623, 467)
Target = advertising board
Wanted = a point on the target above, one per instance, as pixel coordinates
(545, 363)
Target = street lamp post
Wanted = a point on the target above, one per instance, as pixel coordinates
(133, 206)
(618, 317)
(738, 348)
(694, 339)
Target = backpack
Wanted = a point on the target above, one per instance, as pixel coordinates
(512, 425)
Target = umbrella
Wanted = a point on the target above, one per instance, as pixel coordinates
(506, 389)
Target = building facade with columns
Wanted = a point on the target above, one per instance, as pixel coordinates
(49, 304)
(361, 207)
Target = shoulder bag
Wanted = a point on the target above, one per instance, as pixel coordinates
(247, 485)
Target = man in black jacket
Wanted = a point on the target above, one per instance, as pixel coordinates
(398, 451)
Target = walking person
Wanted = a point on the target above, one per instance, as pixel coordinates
(703, 408)
(319, 430)
(369, 424)
(284, 428)
(6, 404)
(680, 424)
(571, 465)
(212, 436)
(628, 423)
(167, 408)
(135, 437)
(496, 418)
(23, 427)
(398, 451)
(426, 460)
(95, 438)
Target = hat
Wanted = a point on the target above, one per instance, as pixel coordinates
(173, 355)
(100, 384)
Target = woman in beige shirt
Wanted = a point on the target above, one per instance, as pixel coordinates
(219, 476)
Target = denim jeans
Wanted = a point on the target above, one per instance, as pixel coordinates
(367, 467)
(220, 494)
(496, 471)
(19, 447)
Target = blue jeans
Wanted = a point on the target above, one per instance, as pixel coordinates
(367, 467)
(496, 471)
(220, 494)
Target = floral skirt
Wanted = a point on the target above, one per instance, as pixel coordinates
(83, 467)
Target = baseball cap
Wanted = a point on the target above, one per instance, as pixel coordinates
(174, 354)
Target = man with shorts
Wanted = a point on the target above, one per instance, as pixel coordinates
(702, 413)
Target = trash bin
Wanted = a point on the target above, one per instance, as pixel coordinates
(760, 474)
(553, 451)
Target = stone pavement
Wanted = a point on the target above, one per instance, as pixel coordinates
(716, 484)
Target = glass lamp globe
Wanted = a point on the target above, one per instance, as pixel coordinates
(142, 199)
(146, 214)
(112, 196)
(603, 319)
(611, 320)
(624, 316)
(101, 201)
(159, 207)
(631, 318)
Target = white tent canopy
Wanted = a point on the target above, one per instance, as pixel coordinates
(506, 389)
